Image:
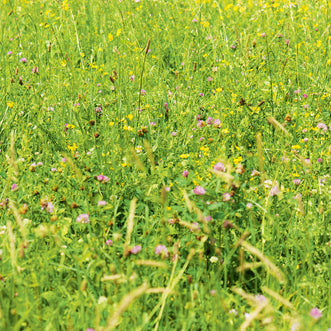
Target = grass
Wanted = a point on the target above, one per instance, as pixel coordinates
(165, 165)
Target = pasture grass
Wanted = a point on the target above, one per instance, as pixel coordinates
(165, 165)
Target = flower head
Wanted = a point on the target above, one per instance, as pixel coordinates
(161, 250)
(219, 167)
(315, 313)
(199, 190)
(83, 218)
(135, 249)
(185, 173)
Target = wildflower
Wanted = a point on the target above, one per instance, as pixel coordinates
(232, 46)
(200, 94)
(209, 120)
(199, 190)
(131, 78)
(143, 92)
(102, 203)
(287, 41)
(217, 123)
(219, 167)
(274, 191)
(315, 313)
(135, 249)
(226, 196)
(297, 91)
(35, 70)
(195, 227)
(10, 53)
(263, 34)
(212, 293)
(194, 20)
(249, 205)
(200, 124)
(233, 311)
(50, 108)
(322, 126)
(306, 106)
(210, 79)
(297, 181)
(23, 60)
(50, 207)
(53, 169)
(109, 242)
(152, 123)
(83, 218)
(319, 160)
(305, 96)
(227, 224)
(102, 178)
(161, 250)
(208, 218)
(174, 133)
(255, 173)
(14, 187)
(185, 173)
(213, 259)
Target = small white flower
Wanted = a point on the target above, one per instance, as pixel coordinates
(213, 259)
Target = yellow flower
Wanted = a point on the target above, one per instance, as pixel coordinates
(130, 117)
(10, 104)
(111, 123)
(118, 32)
(110, 37)
(184, 156)
(73, 147)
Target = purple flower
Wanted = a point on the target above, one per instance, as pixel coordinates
(161, 250)
(232, 46)
(305, 96)
(200, 94)
(217, 123)
(185, 173)
(89, 329)
(249, 205)
(109, 242)
(227, 224)
(263, 34)
(210, 79)
(53, 169)
(319, 160)
(102, 203)
(194, 20)
(306, 106)
(14, 187)
(297, 181)
(23, 60)
(152, 123)
(174, 133)
(10, 53)
(102, 178)
(143, 92)
(208, 218)
(226, 196)
(209, 120)
(219, 167)
(274, 191)
(50, 207)
(287, 41)
(135, 249)
(315, 313)
(35, 70)
(322, 126)
(199, 190)
(131, 78)
(83, 218)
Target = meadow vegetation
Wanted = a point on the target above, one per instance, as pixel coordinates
(165, 165)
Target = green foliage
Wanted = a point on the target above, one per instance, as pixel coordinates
(165, 165)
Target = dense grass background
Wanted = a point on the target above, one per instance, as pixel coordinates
(165, 165)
